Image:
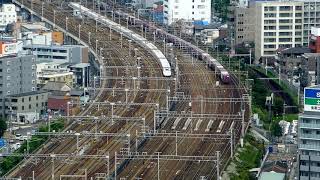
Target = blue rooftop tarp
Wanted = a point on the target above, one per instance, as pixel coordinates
(201, 23)
(2, 142)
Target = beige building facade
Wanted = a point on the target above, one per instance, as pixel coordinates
(274, 25)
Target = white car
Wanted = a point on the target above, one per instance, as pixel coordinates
(18, 145)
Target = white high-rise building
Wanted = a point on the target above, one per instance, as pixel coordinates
(188, 10)
(278, 25)
(8, 15)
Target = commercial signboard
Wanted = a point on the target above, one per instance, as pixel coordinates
(312, 99)
(8, 48)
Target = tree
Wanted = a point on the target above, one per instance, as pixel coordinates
(3, 127)
(278, 105)
(276, 129)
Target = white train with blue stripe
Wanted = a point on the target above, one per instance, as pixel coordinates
(143, 42)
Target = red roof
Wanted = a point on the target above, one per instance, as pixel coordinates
(57, 103)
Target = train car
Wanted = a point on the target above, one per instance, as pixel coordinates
(212, 63)
(225, 76)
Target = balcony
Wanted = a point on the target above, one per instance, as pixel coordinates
(314, 168)
(309, 147)
(310, 136)
(309, 125)
(304, 157)
(304, 177)
(304, 168)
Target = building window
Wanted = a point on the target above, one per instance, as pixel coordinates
(29, 99)
(29, 106)
(298, 26)
(22, 107)
(285, 8)
(267, 15)
(37, 97)
(306, 121)
(22, 99)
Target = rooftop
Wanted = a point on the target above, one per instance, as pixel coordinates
(295, 50)
(313, 87)
(34, 26)
(52, 46)
(80, 65)
(28, 93)
(14, 56)
(56, 86)
(310, 55)
(50, 74)
(272, 175)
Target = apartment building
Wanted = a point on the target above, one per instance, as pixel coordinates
(8, 15)
(26, 107)
(174, 10)
(274, 25)
(309, 136)
(311, 18)
(245, 24)
(278, 25)
(17, 75)
(188, 10)
(56, 53)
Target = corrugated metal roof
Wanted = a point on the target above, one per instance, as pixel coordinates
(272, 176)
(28, 94)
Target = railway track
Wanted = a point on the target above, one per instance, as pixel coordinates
(179, 170)
(62, 148)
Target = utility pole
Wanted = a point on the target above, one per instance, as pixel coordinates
(218, 165)
(52, 166)
(54, 19)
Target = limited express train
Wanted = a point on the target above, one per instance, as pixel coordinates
(166, 68)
